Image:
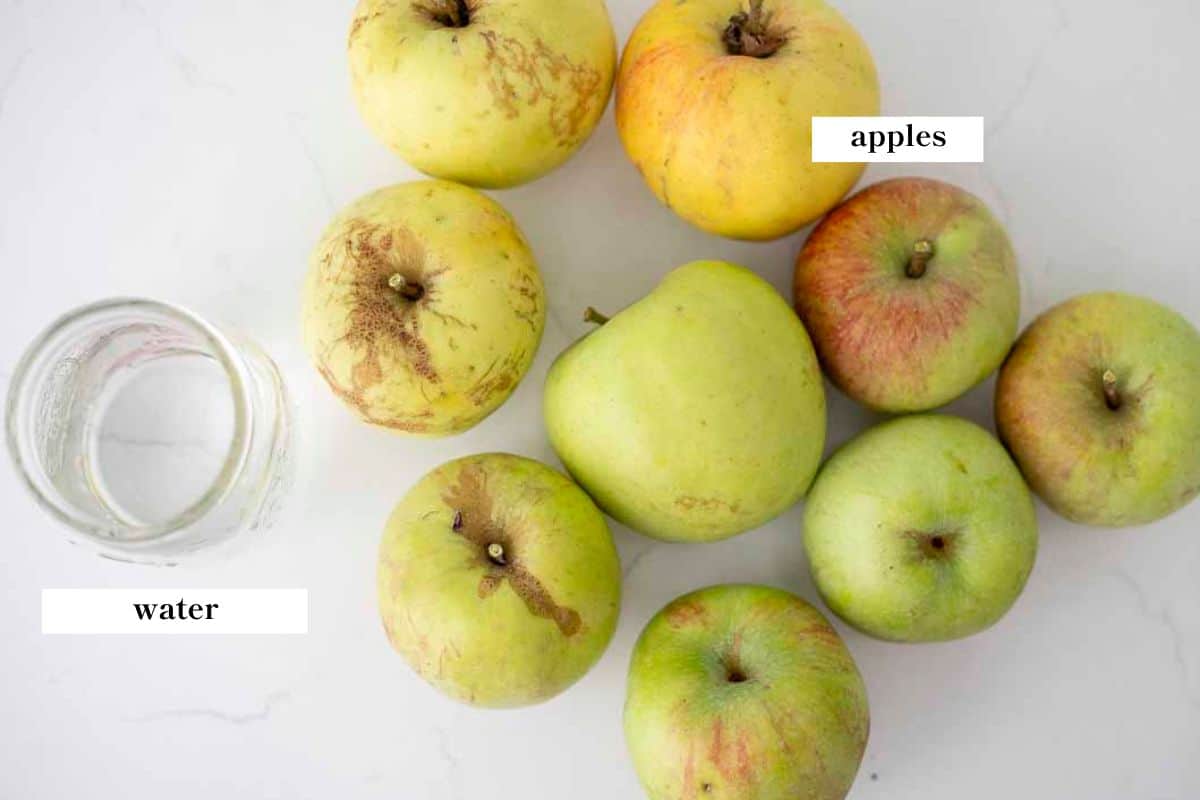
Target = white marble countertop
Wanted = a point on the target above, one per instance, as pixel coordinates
(192, 151)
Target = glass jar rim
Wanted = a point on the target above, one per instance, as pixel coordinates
(236, 373)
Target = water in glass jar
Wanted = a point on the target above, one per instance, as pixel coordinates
(159, 437)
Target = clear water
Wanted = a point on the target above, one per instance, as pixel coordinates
(155, 437)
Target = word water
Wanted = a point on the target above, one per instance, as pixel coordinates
(174, 611)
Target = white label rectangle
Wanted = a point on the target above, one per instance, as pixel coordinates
(897, 140)
(83, 611)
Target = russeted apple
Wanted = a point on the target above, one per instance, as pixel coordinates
(744, 693)
(490, 93)
(1099, 402)
(697, 412)
(920, 529)
(498, 580)
(423, 307)
(909, 290)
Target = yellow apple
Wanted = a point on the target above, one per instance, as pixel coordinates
(423, 307)
(715, 100)
(490, 93)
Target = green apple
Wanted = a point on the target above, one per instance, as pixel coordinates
(696, 413)
(498, 580)
(909, 290)
(744, 693)
(920, 529)
(487, 92)
(423, 307)
(1099, 403)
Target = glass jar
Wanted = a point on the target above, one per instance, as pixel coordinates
(150, 433)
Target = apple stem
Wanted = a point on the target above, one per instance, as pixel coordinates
(921, 255)
(495, 552)
(410, 291)
(593, 316)
(1112, 397)
(749, 33)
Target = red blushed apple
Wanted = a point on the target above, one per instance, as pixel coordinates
(1098, 404)
(909, 291)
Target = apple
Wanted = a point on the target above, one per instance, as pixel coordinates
(498, 580)
(715, 101)
(909, 290)
(1099, 403)
(490, 93)
(920, 529)
(423, 307)
(745, 693)
(696, 413)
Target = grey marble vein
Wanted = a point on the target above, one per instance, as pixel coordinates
(1004, 210)
(556, 323)
(1165, 620)
(293, 123)
(636, 560)
(187, 69)
(10, 79)
(232, 718)
(449, 762)
(1001, 120)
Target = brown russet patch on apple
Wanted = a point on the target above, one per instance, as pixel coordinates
(381, 324)
(542, 70)
(686, 612)
(477, 520)
(528, 293)
(355, 398)
(359, 21)
(823, 633)
(498, 378)
(449, 650)
(690, 503)
(417, 645)
(380, 318)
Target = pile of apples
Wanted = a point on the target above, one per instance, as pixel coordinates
(698, 412)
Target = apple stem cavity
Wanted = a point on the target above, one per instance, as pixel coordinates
(406, 289)
(922, 253)
(1112, 396)
(939, 545)
(495, 552)
(750, 33)
(451, 13)
(593, 316)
